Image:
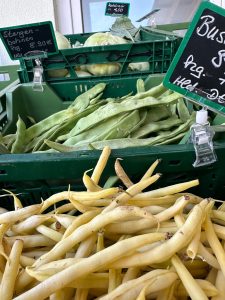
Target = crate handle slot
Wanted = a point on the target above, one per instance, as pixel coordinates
(3, 172)
(49, 61)
(116, 55)
(79, 58)
(174, 162)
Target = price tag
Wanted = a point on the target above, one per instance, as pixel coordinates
(29, 40)
(198, 68)
(117, 9)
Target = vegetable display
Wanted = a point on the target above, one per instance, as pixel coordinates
(153, 117)
(62, 43)
(107, 242)
(122, 32)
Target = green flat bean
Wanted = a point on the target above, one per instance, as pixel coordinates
(140, 85)
(219, 128)
(182, 110)
(124, 143)
(19, 144)
(47, 123)
(96, 99)
(31, 119)
(119, 99)
(67, 122)
(172, 140)
(111, 99)
(112, 109)
(157, 113)
(62, 131)
(8, 140)
(118, 126)
(173, 109)
(165, 94)
(143, 115)
(110, 182)
(124, 127)
(4, 149)
(156, 91)
(99, 145)
(83, 100)
(180, 129)
(126, 96)
(99, 131)
(40, 145)
(146, 129)
(37, 141)
(54, 146)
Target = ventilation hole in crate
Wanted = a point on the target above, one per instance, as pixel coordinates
(83, 154)
(8, 186)
(213, 176)
(3, 172)
(81, 87)
(180, 178)
(85, 88)
(3, 124)
(211, 186)
(175, 162)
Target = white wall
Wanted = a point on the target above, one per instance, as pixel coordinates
(17, 12)
(218, 2)
(68, 16)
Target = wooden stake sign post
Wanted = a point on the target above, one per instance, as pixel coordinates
(198, 68)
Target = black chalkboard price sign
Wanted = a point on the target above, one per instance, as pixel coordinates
(117, 9)
(198, 68)
(29, 40)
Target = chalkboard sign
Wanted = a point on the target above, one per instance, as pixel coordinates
(198, 68)
(28, 40)
(117, 9)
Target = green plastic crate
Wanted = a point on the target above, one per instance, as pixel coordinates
(36, 176)
(156, 47)
(10, 77)
(24, 101)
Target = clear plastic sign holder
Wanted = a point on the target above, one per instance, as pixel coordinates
(202, 138)
(38, 69)
(201, 133)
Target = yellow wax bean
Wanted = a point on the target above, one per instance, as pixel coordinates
(121, 174)
(167, 249)
(100, 166)
(20, 214)
(87, 266)
(193, 288)
(11, 271)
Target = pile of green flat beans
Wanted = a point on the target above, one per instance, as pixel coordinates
(149, 117)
